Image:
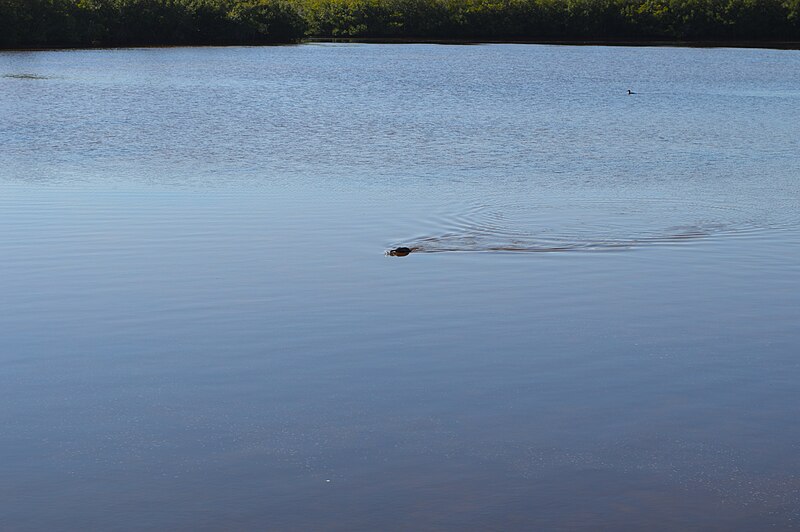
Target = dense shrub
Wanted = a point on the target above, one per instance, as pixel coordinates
(608, 20)
(142, 22)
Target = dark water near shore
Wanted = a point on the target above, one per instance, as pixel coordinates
(598, 328)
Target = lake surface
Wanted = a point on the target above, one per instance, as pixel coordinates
(598, 329)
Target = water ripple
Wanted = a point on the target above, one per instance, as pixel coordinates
(587, 225)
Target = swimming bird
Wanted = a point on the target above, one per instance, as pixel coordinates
(400, 252)
(630, 92)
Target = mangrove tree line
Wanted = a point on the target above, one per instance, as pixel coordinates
(156, 22)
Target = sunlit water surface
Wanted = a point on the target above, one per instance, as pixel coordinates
(598, 327)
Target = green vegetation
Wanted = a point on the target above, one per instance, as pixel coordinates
(568, 20)
(164, 22)
(147, 22)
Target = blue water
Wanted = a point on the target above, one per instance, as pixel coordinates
(598, 328)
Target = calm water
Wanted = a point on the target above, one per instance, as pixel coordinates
(200, 329)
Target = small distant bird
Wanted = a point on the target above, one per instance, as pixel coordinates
(630, 92)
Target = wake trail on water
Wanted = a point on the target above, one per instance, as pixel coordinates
(589, 226)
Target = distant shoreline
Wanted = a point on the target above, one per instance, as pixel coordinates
(86, 24)
(774, 45)
(767, 45)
